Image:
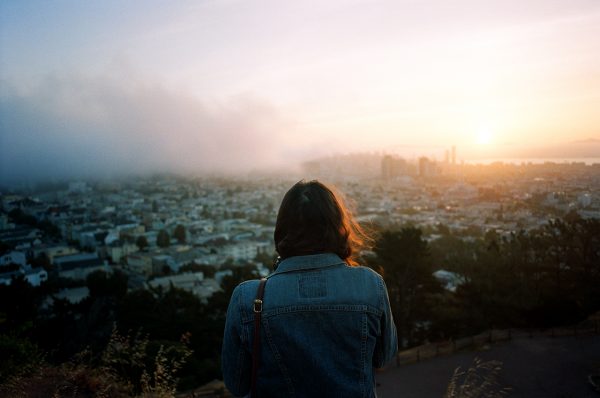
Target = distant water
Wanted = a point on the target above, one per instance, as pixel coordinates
(519, 161)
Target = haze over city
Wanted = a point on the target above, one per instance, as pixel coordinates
(109, 87)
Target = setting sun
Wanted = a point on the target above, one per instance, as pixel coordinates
(484, 136)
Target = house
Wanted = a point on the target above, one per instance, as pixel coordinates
(192, 282)
(13, 257)
(140, 263)
(4, 224)
(72, 295)
(52, 251)
(20, 235)
(159, 262)
(187, 281)
(92, 239)
(242, 251)
(118, 250)
(8, 273)
(79, 266)
(34, 276)
(450, 280)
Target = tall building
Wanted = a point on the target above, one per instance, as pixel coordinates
(392, 166)
(453, 154)
(386, 167)
(423, 166)
(427, 167)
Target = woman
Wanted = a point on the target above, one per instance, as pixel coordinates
(325, 321)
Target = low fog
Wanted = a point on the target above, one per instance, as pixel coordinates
(77, 126)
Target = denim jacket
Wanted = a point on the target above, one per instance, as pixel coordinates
(325, 326)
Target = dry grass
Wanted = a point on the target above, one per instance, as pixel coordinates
(121, 371)
(479, 381)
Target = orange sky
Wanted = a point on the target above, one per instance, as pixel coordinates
(305, 78)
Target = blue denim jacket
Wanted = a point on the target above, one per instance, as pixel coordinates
(325, 326)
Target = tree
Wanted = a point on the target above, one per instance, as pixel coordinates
(125, 237)
(266, 259)
(165, 314)
(179, 233)
(103, 284)
(163, 239)
(50, 229)
(19, 217)
(19, 303)
(41, 260)
(570, 254)
(141, 242)
(403, 259)
(19, 356)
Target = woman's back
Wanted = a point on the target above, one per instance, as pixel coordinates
(325, 325)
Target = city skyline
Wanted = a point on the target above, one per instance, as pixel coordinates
(228, 86)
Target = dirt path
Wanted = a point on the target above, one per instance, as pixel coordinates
(538, 367)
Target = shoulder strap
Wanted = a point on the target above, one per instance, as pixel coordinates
(258, 306)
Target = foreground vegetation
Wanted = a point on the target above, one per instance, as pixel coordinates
(120, 342)
(540, 278)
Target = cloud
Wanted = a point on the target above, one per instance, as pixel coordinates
(79, 126)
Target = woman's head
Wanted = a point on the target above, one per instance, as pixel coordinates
(313, 219)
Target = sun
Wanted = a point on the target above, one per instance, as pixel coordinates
(484, 136)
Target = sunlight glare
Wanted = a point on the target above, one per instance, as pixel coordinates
(484, 136)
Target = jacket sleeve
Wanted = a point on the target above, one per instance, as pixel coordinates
(236, 361)
(386, 346)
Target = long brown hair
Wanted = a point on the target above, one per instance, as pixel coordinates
(313, 219)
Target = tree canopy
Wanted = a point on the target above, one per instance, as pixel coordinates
(163, 239)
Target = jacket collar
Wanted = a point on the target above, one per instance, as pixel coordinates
(303, 263)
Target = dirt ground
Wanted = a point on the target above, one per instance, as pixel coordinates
(532, 367)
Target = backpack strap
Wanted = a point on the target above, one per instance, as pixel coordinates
(257, 308)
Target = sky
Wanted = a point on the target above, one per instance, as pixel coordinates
(99, 87)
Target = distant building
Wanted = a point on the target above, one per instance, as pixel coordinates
(118, 250)
(79, 266)
(52, 251)
(392, 167)
(13, 257)
(187, 281)
(21, 236)
(427, 168)
(140, 263)
(243, 251)
(450, 280)
(461, 191)
(7, 275)
(78, 187)
(4, 224)
(219, 275)
(159, 262)
(92, 239)
(71, 258)
(192, 282)
(584, 199)
(34, 276)
(72, 295)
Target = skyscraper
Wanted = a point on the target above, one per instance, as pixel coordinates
(453, 154)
